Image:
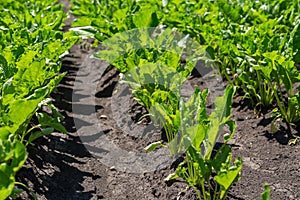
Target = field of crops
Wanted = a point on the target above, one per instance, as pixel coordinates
(156, 99)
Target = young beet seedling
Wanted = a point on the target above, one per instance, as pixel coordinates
(282, 75)
(197, 133)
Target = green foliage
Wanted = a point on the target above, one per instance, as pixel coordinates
(265, 195)
(236, 34)
(12, 156)
(30, 49)
(154, 83)
(282, 75)
(150, 62)
(111, 17)
(197, 135)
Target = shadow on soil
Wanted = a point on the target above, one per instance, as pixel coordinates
(52, 168)
(284, 136)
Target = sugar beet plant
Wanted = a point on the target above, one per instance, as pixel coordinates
(30, 49)
(207, 170)
(158, 58)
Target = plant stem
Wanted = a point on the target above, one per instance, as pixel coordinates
(281, 107)
(28, 189)
(198, 193)
(203, 191)
(27, 132)
(262, 96)
(215, 192)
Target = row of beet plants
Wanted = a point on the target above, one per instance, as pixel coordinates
(156, 45)
(156, 76)
(255, 44)
(31, 46)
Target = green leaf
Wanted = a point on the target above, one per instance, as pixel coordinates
(4, 133)
(223, 155)
(21, 111)
(12, 157)
(38, 134)
(6, 185)
(265, 195)
(146, 17)
(46, 120)
(232, 126)
(196, 134)
(205, 168)
(171, 177)
(153, 146)
(223, 105)
(85, 32)
(266, 70)
(20, 155)
(220, 116)
(226, 178)
(211, 52)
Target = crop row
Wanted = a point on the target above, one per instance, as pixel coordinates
(254, 45)
(31, 46)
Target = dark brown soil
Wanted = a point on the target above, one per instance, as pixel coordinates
(75, 165)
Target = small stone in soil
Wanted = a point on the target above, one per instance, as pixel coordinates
(103, 117)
